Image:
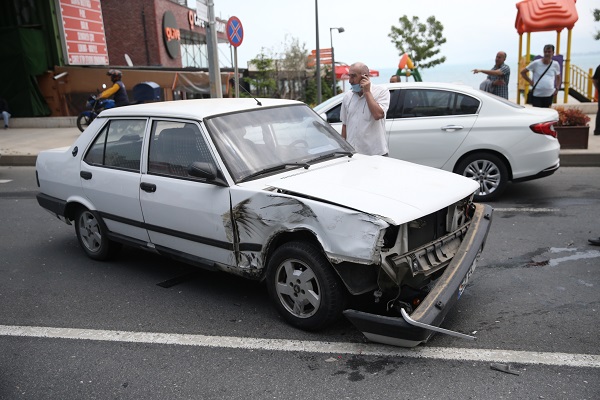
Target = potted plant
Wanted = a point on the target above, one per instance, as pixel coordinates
(572, 129)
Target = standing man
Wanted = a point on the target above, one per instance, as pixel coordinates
(117, 89)
(546, 78)
(499, 75)
(363, 113)
(596, 81)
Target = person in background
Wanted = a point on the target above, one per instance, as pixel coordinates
(499, 75)
(394, 79)
(117, 89)
(596, 81)
(363, 113)
(4, 111)
(546, 78)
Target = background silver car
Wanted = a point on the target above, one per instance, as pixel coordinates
(466, 131)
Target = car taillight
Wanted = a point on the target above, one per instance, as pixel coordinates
(544, 128)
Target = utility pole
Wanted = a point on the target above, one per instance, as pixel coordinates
(214, 71)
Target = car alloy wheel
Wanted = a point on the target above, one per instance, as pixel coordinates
(92, 236)
(488, 171)
(304, 287)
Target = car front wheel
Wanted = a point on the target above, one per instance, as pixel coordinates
(92, 236)
(489, 171)
(305, 289)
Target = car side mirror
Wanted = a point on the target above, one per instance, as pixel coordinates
(208, 171)
(324, 116)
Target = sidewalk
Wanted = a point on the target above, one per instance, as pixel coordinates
(21, 143)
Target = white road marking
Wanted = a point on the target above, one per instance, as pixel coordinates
(369, 349)
(5, 180)
(526, 209)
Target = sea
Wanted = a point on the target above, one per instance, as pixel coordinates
(463, 73)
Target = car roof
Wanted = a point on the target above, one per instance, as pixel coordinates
(195, 109)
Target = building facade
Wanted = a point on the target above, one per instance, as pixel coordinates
(58, 51)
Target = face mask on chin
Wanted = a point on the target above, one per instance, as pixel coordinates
(356, 87)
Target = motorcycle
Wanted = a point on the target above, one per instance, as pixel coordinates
(96, 106)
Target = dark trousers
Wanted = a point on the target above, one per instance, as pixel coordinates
(542, 102)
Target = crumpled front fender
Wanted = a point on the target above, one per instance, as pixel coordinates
(445, 292)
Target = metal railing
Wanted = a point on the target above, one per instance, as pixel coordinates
(581, 82)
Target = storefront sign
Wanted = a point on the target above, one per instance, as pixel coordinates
(83, 32)
(171, 34)
(196, 21)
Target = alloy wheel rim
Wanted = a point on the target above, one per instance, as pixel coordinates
(298, 288)
(486, 174)
(89, 230)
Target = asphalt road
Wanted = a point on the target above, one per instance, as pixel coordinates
(73, 328)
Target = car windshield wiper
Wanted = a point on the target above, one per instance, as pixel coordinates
(331, 155)
(274, 169)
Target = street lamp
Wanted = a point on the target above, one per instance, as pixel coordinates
(340, 30)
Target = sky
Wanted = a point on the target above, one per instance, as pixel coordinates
(475, 29)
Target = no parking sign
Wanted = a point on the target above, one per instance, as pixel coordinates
(235, 31)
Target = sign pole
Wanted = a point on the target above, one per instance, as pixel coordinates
(237, 77)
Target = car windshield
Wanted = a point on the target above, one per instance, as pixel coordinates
(273, 139)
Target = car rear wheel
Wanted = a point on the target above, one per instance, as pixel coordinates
(92, 236)
(83, 121)
(305, 289)
(489, 171)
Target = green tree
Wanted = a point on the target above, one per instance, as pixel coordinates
(420, 41)
(262, 81)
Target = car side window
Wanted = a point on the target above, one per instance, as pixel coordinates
(174, 147)
(395, 110)
(435, 103)
(333, 115)
(466, 105)
(118, 145)
(428, 103)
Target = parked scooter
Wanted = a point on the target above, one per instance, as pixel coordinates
(96, 106)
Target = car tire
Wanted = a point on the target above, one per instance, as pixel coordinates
(488, 170)
(304, 287)
(92, 236)
(83, 121)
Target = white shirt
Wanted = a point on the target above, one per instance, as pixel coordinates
(363, 132)
(545, 87)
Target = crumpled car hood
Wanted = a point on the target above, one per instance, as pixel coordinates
(395, 190)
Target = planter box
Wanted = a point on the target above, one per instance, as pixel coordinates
(573, 137)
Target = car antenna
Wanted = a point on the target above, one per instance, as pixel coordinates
(245, 90)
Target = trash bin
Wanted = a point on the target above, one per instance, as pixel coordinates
(146, 91)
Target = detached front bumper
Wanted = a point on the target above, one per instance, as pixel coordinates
(446, 291)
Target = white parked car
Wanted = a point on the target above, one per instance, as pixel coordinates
(267, 190)
(466, 131)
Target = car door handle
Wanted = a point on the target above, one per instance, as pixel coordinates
(148, 187)
(452, 128)
(87, 175)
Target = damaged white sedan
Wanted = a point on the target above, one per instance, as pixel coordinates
(267, 190)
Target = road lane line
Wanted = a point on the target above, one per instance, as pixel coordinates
(248, 343)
